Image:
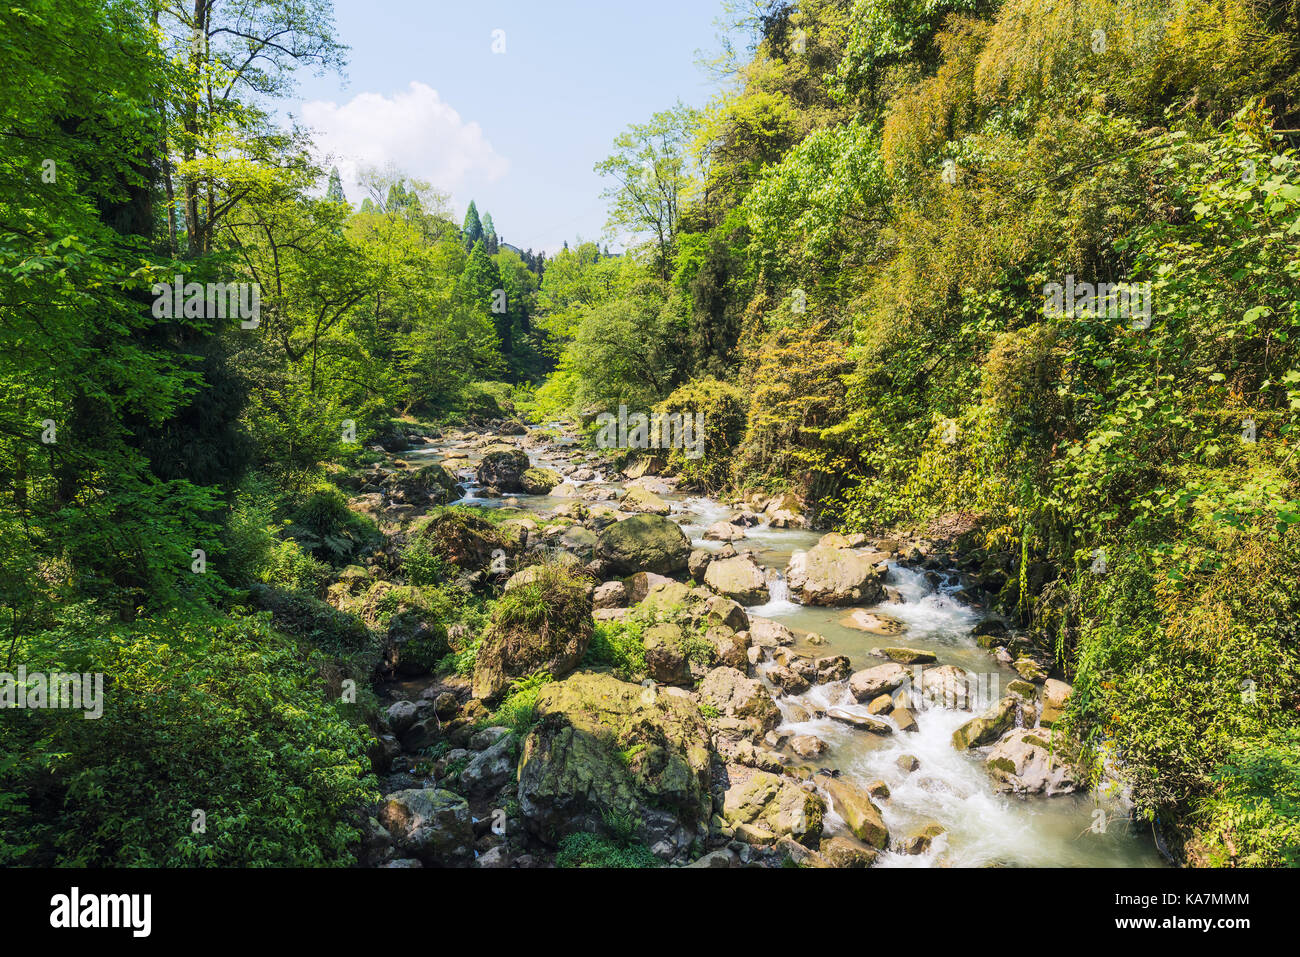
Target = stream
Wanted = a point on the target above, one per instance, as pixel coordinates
(982, 826)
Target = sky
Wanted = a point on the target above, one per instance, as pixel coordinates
(517, 131)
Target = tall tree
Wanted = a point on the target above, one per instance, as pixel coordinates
(490, 241)
(335, 191)
(653, 179)
(472, 231)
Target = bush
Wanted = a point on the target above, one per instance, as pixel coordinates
(325, 526)
(723, 408)
(215, 716)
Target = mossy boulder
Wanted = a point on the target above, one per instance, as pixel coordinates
(540, 625)
(539, 481)
(431, 825)
(610, 757)
(644, 543)
(859, 812)
(639, 499)
(465, 540)
(987, 727)
(775, 806)
(503, 467)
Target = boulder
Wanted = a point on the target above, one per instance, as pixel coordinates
(844, 852)
(503, 467)
(490, 769)
(986, 727)
(909, 656)
(724, 611)
(639, 499)
(604, 751)
(547, 627)
(741, 579)
(649, 543)
(430, 825)
(766, 633)
(538, 481)
(774, 806)
(874, 623)
(1022, 762)
(697, 563)
(862, 816)
(665, 654)
(730, 647)
(1055, 694)
(610, 595)
(728, 691)
(873, 682)
(833, 576)
(860, 721)
(724, 532)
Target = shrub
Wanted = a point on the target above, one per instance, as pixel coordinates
(203, 715)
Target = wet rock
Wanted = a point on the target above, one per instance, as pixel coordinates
(741, 579)
(909, 656)
(860, 721)
(879, 790)
(844, 852)
(832, 668)
(907, 763)
(833, 576)
(904, 719)
(987, 727)
(919, 841)
(874, 623)
(724, 532)
(861, 815)
(872, 682)
(881, 704)
(788, 681)
(808, 745)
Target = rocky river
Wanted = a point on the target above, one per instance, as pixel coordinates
(856, 703)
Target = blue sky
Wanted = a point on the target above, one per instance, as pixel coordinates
(517, 131)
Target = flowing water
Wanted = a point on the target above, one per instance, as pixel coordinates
(982, 827)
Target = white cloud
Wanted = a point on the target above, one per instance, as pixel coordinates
(414, 129)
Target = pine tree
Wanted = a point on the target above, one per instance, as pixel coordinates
(472, 231)
(334, 193)
(490, 241)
